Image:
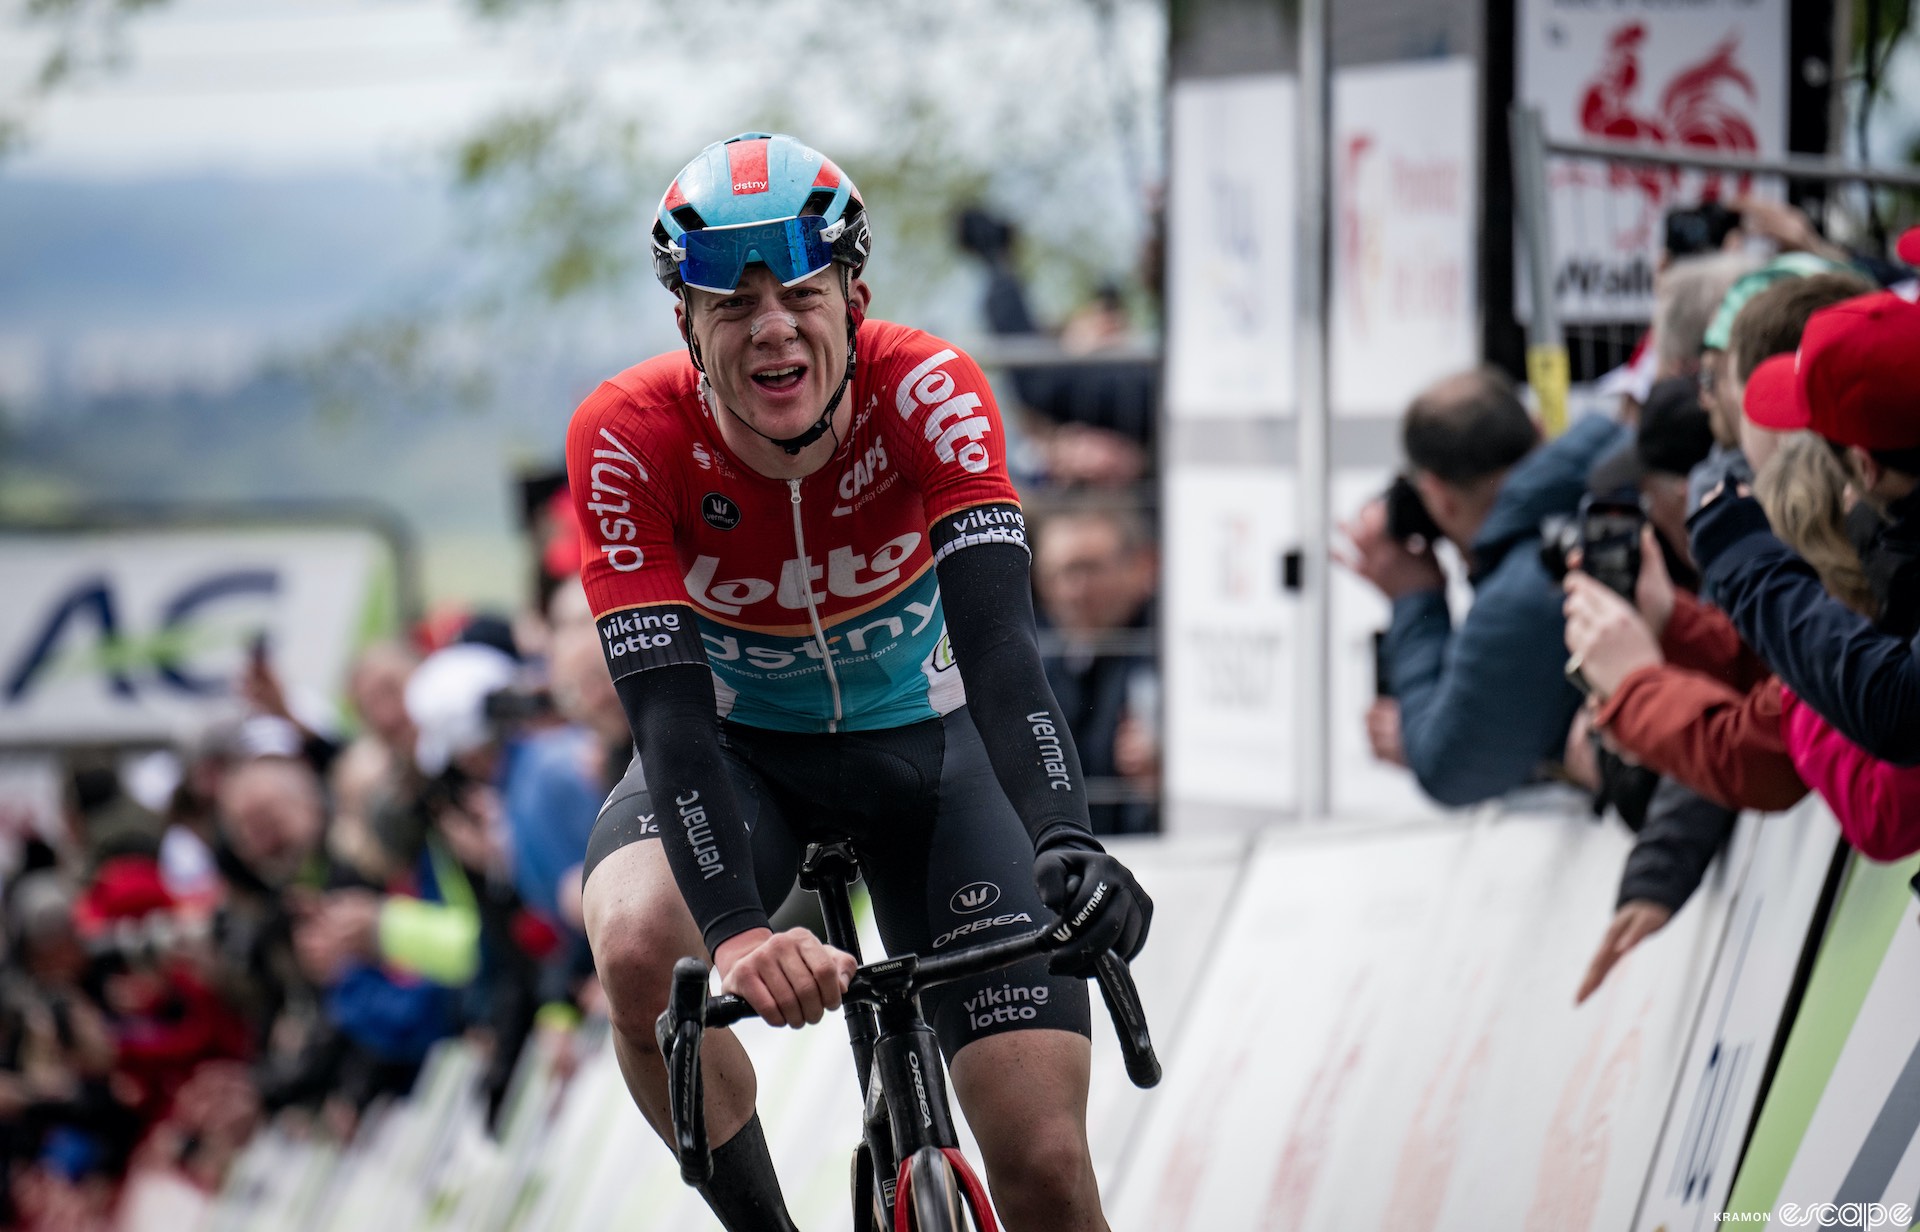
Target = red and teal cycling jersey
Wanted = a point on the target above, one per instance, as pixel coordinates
(816, 599)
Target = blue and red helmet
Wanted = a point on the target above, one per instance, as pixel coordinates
(757, 197)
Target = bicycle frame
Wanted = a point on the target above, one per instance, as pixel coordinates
(896, 1056)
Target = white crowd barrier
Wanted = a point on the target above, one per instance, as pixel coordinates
(1362, 1028)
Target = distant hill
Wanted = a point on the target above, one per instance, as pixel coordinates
(278, 254)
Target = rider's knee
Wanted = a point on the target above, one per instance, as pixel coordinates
(1048, 1169)
(635, 965)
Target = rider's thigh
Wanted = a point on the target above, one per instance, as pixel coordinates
(1025, 1095)
(638, 927)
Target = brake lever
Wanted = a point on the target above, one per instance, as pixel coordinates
(1118, 990)
(678, 1032)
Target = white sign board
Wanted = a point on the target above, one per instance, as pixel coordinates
(124, 636)
(1406, 197)
(1230, 250)
(1706, 77)
(1229, 638)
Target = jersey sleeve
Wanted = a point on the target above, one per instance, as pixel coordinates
(628, 567)
(940, 407)
(651, 638)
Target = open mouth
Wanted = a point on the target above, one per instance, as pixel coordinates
(781, 378)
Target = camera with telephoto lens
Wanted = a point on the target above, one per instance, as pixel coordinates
(1407, 516)
(1606, 534)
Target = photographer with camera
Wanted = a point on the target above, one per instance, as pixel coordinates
(1483, 708)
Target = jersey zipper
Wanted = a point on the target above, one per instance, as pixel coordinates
(806, 588)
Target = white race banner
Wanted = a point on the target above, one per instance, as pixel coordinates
(1706, 77)
(1230, 251)
(1229, 639)
(133, 635)
(1406, 197)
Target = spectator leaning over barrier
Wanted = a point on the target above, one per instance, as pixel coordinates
(1803, 490)
(1723, 409)
(1485, 707)
(1673, 435)
(1675, 689)
(1853, 383)
(1685, 706)
(1094, 570)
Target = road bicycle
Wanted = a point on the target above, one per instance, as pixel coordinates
(908, 1172)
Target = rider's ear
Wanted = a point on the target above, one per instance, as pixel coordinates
(859, 295)
(680, 319)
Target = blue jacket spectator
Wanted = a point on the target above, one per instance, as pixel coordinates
(554, 786)
(1484, 707)
(1481, 709)
(1864, 682)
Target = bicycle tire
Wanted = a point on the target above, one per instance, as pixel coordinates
(935, 1202)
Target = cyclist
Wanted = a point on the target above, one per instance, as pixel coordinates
(810, 575)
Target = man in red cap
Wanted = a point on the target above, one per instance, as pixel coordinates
(1856, 382)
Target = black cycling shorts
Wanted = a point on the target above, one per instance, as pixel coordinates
(944, 855)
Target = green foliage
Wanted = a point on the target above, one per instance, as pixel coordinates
(1006, 102)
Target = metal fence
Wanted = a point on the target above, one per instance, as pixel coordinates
(1591, 228)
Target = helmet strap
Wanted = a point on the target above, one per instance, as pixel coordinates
(693, 348)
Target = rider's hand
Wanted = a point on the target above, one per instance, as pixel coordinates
(790, 978)
(1099, 905)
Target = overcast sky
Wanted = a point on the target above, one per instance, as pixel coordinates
(278, 86)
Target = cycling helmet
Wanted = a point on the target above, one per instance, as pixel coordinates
(762, 197)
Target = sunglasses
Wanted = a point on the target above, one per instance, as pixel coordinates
(795, 249)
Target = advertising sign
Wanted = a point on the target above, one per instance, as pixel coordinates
(1767, 927)
(1834, 1147)
(129, 636)
(1230, 252)
(1406, 216)
(1708, 77)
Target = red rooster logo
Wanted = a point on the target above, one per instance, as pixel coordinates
(1695, 112)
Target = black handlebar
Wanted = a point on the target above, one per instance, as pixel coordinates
(690, 1012)
(678, 1031)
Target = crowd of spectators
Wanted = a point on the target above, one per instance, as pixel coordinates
(1705, 604)
(278, 923)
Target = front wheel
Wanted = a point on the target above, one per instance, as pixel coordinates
(934, 1198)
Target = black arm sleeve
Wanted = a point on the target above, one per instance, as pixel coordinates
(989, 608)
(1684, 831)
(671, 711)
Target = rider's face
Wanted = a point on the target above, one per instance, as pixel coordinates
(774, 354)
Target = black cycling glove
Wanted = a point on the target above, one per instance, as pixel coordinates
(1099, 905)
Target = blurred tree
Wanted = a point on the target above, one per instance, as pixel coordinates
(73, 39)
(1049, 111)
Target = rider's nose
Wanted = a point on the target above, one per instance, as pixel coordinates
(774, 326)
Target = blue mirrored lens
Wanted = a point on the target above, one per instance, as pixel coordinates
(792, 248)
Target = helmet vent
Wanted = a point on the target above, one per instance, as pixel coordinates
(688, 218)
(818, 202)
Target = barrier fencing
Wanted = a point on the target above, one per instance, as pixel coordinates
(1362, 1028)
(1590, 219)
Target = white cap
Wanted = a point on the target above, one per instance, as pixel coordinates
(447, 701)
